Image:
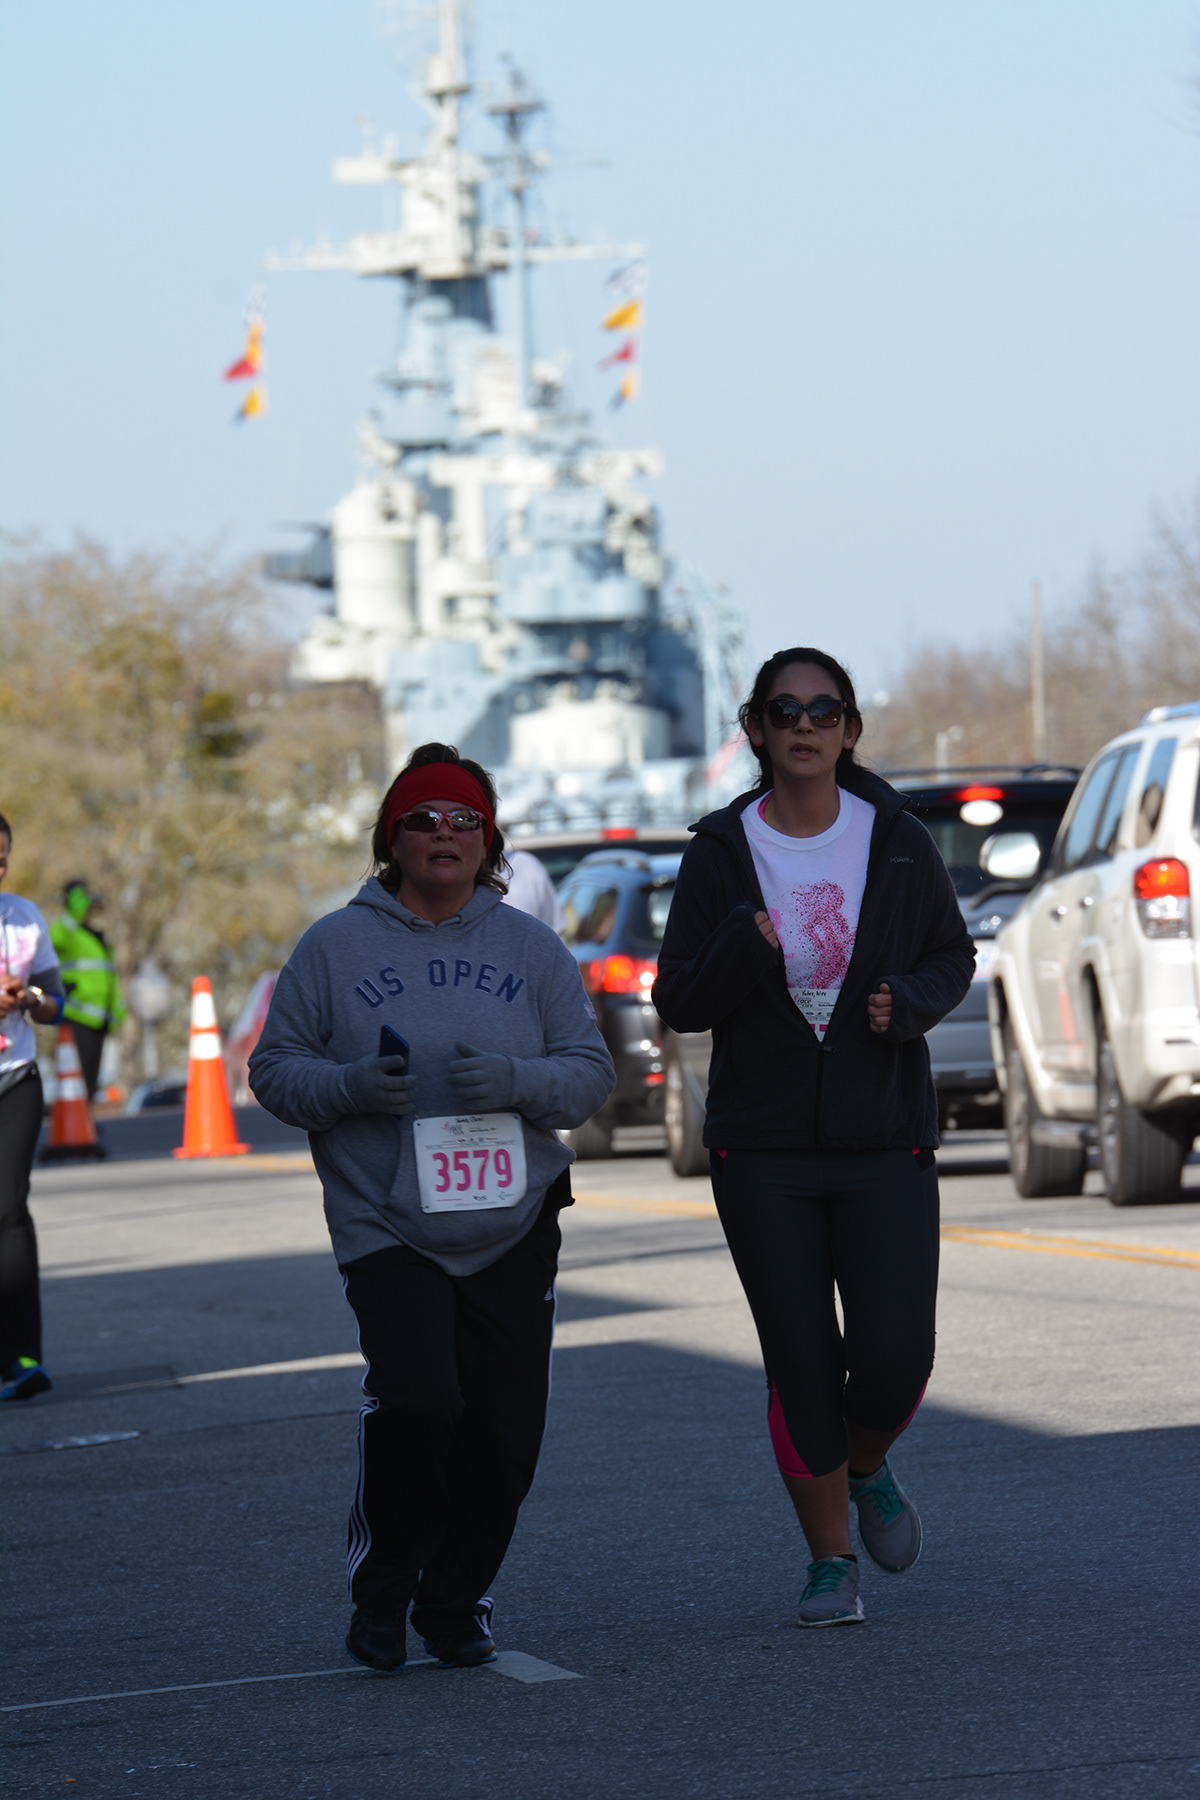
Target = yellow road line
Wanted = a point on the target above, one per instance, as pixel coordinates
(1096, 1249)
(1047, 1242)
(1071, 1246)
(678, 1209)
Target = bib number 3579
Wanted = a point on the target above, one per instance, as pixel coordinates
(470, 1161)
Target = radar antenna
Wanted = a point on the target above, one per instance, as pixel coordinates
(443, 237)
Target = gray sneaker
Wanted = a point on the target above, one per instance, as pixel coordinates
(831, 1594)
(889, 1526)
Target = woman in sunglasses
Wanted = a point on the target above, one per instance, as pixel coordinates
(432, 1042)
(816, 933)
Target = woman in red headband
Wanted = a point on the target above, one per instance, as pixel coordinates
(443, 866)
(433, 1043)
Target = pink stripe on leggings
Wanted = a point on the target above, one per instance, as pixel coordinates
(787, 1457)
(786, 1454)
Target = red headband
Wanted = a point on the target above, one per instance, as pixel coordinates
(437, 781)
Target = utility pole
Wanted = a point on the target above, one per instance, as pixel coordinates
(1037, 675)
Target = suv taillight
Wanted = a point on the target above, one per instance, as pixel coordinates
(621, 975)
(1163, 895)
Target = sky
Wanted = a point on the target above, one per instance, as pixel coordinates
(921, 323)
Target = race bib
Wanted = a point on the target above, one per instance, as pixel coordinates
(469, 1161)
(817, 1005)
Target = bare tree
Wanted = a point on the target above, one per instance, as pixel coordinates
(1127, 641)
(150, 740)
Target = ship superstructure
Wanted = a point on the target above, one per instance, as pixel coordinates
(497, 573)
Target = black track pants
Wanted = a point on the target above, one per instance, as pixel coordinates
(797, 1221)
(89, 1041)
(20, 1310)
(459, 1376)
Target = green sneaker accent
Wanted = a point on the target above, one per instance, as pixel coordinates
(23, 1379)
(831, 1594)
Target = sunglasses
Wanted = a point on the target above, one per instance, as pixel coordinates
(825, 711)
(426, 820)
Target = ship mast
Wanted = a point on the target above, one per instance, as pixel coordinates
(515, 108)
(443, 237)
(493, 565)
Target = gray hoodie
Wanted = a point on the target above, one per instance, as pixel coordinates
(490, 977)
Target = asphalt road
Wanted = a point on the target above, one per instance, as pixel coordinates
(1045, 1645)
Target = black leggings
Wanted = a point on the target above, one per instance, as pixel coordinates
(21, 1111)
(458, 1376)
(799, 1221)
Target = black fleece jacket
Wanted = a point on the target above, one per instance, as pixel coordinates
(773, 1084)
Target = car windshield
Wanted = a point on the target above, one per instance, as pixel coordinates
(647, 918)
(590, 912)
(960, 843)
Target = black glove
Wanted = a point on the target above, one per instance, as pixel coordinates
(482, 1079)
(378, 1084)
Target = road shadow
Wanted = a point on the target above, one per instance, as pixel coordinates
(1042, 1647)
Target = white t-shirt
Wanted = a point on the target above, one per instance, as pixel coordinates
(25, 950)
(531, 889)
(813, 888)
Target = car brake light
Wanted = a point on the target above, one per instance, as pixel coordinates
(1167, 877)
(980, 793)
(1163, 895)
(619, 831)
(621, 975)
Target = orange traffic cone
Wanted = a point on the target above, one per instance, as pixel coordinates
(208, 1127)
(72, 1132)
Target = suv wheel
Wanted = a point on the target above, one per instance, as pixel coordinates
(1038, 1170)
(593, 1139)
(1141, 1154)
(685, 1123)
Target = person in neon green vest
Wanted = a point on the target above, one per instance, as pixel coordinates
(94, 1004)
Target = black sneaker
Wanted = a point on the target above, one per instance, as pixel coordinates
(23, 1379)
(377, 1643)
(468, 1645)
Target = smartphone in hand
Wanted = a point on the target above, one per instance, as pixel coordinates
(392, 1044)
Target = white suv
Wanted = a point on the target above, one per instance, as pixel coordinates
(1094, 998)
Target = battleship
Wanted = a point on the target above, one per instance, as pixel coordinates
(496, 573)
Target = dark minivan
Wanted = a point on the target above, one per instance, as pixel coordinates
(616, 904)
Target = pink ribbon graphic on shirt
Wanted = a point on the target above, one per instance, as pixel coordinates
(816, 939)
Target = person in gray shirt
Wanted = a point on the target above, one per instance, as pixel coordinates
(31, 989)
(433, 1042)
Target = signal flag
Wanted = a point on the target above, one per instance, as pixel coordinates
(628, 389)
(625, 318)
(254, 405)
(630, 280)
(626, 354)
(249, 362)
